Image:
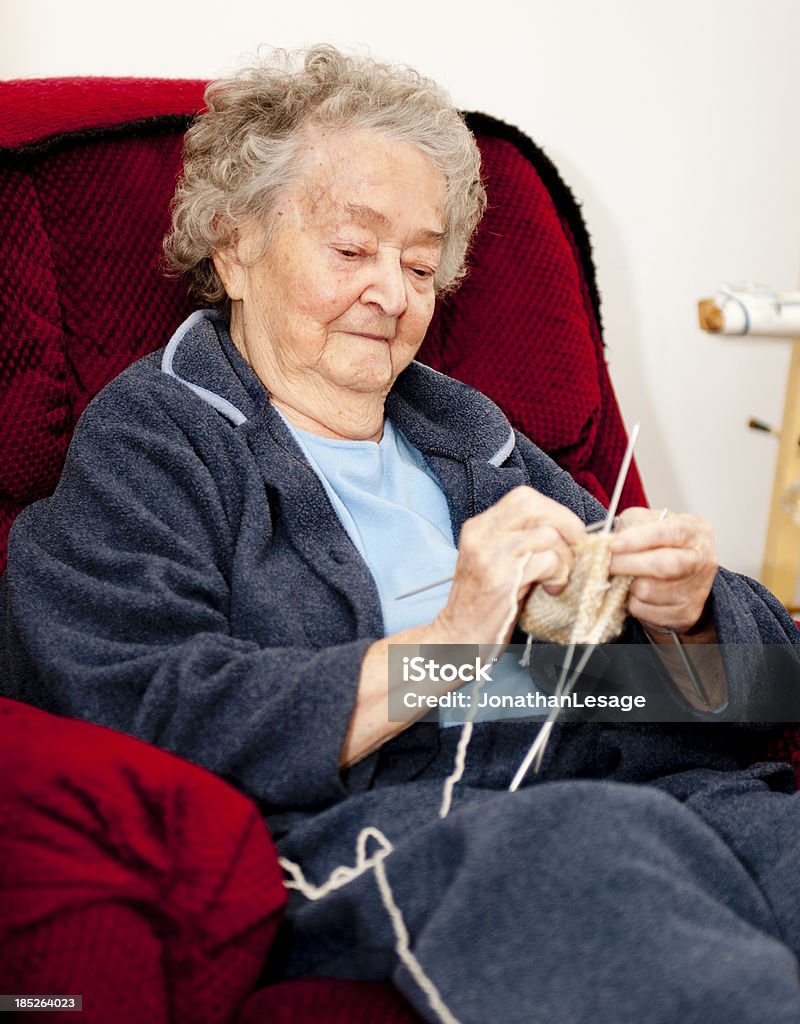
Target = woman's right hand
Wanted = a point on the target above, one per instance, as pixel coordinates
(524, 539)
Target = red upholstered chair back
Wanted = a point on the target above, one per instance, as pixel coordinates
(87, 168)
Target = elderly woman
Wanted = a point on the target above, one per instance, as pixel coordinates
(220, 567)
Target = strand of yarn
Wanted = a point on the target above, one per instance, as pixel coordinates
(403, 949)
(343, 875)
(459, 764)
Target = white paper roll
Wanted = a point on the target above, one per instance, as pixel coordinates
(754, 309)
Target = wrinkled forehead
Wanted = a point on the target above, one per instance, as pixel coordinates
(365, 179)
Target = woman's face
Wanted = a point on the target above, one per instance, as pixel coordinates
(343, 296)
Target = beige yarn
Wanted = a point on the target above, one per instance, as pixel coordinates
(591, 607)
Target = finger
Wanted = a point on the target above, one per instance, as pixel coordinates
(548, 540)
(547, 570)
(547, 557)
(637, 514)
(662, 563)
(679, 617)
(676, 531)
(524, 507)
(523, 557)
(660, 593)
(482, 545)
(672, 605)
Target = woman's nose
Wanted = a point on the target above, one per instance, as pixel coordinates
(387, 286)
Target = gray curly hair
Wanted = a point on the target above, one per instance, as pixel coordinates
(245, 149)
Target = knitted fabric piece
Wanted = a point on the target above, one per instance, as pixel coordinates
(591, 607)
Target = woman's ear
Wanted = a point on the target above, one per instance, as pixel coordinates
(232, 272)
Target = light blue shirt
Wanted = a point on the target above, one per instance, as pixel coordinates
(396, 515)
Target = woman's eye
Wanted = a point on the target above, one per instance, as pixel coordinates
(423, 273)
(348, 253)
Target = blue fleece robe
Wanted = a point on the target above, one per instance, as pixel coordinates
(190, 583)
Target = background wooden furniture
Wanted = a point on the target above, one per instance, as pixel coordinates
(782, 549)
(781, 562)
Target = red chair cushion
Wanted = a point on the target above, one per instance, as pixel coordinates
(129, 876)
(313, 1001)
(34, 111)
(524, 326)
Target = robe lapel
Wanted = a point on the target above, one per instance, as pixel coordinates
(315, 529)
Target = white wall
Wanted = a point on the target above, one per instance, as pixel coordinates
(675, 124)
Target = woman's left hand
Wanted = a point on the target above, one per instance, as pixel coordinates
(673, 561)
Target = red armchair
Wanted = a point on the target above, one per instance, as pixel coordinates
(141, 881)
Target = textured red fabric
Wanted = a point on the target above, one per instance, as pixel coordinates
(328, 1001)
(105, 208)
(109, 954)
(81, 293)
(34, 412)
(611, 438)
(520, 328)
(785, 748)
(129, 876)
(35, 109)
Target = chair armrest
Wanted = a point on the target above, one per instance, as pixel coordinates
(122, 862)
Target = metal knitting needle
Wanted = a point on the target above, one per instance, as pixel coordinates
(697, 686)
(621, 477)
(535, 754)
(424, 587)
(592, 528)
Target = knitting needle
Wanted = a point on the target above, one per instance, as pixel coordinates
(592, 528)
(537, 749)
(424, 587)
(697, 686)
(621, 477)
(604, 525)
(535, 754)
